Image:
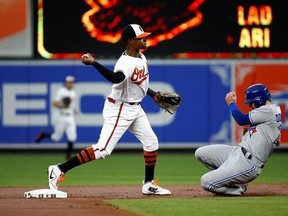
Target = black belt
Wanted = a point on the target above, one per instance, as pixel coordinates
(249, 155)
(134, 103)
(130, 103)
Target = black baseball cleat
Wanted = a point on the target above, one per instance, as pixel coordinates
(39, 137)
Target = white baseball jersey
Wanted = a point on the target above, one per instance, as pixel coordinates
(135, 86)
(63, 119)
(122, 110)
(62, 93)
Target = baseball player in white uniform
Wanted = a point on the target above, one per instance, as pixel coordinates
(122, 111)
(235, 166)
(64, 104)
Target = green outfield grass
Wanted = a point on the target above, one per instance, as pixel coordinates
(216, 206)
(29, 169)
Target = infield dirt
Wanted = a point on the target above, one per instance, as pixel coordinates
(90, 201)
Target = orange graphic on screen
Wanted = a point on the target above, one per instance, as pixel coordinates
(12, 17)
(104, 23)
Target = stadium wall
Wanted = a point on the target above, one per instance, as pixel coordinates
(27, 89)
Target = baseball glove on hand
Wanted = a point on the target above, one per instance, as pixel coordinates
(66, 101)
(168, 101)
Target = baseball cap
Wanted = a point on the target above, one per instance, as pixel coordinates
(70, 78)
(133, 31)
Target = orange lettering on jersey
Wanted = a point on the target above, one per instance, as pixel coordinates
(138, 76)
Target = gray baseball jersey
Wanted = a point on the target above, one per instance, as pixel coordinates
(266, 130)
(233, 166)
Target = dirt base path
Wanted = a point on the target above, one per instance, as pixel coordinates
(89, 201)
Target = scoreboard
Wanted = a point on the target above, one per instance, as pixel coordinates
(180, 29)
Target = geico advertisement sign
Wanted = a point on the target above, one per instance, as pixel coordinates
(29, 104)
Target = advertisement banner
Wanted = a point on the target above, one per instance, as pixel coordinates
(28, 88)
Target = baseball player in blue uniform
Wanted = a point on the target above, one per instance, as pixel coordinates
(232, 167)
(122, 111)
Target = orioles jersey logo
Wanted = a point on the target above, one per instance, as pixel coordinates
(138, 76)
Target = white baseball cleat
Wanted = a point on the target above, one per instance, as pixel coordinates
(152, 187)
(55, 176)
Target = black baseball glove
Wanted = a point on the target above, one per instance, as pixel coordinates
(66, 101)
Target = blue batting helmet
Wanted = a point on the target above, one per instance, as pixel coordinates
(257, 94)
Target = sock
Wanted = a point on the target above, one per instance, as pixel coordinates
(84, 156)
(47, 135)
(69, 149)
(150, 159)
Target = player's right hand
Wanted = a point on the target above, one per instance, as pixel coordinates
(87, 59)
(231, 98)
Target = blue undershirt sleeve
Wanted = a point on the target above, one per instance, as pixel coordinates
(240, 118)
